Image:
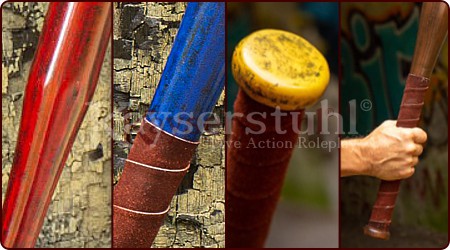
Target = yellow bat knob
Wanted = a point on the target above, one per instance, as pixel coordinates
(279, 68)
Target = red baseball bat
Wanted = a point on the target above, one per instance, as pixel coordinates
(61, 84)
(431, 35)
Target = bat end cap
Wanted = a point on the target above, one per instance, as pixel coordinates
(375, 232)
(280, 69)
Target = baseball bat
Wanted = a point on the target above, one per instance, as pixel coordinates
(276, 71)
(431, 35)
(190, 86)
(62, 80)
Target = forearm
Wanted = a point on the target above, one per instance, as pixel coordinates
(353, 160)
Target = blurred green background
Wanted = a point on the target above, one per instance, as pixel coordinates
(307, 215)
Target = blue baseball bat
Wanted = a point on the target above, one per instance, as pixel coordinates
(194, 75)
(190, 86)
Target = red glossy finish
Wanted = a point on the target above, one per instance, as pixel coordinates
(61, 84)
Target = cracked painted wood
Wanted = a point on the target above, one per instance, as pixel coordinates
(143, 36)
(80, 212)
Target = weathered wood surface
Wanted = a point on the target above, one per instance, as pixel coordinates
(80, 212)
(143, 36)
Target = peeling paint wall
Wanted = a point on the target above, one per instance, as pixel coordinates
(143, 36)
(80, 212)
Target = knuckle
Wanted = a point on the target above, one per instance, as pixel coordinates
(409, 162)
(410, 148)
(406, 134)
(419, 149)
(424, 136)
(420, 135)
(410, 172)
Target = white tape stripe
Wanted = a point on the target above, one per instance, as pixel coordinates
(144, 213)
(165, 132)
(157, 168)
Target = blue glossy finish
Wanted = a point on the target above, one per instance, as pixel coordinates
(194, 75)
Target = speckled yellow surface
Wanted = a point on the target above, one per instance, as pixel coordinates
(279, 68)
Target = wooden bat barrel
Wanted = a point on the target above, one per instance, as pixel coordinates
(432, 32)
(190, 86)
(276, 71)
(61, 83)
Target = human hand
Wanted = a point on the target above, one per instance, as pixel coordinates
(388, 153)
(392, 152)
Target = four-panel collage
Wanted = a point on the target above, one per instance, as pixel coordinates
(224, 125)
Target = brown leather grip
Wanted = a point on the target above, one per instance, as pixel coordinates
(409, 116)
(143, 193)
(255, 171)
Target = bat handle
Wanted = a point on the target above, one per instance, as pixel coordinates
(255, 172)
(380, 219)
(409, 116)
